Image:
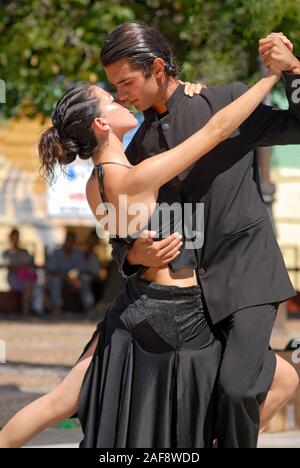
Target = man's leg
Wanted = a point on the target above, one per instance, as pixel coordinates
(246, 375)
(86, 293)
(55, 285)
(26, 299)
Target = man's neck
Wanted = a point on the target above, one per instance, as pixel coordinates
(160, 106)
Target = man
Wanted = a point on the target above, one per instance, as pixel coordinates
(60, 265)
(240, 266)
(93, 265)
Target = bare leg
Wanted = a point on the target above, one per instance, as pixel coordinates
(50, 409)
(284, 386)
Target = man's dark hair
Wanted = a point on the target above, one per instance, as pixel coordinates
(141, 45)
(70, 236)
(14, 232)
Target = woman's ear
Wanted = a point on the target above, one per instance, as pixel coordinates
(101, 125)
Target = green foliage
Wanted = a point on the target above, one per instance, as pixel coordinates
(46, 44)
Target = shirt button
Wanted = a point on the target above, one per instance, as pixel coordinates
(165, 127)
(202, 271)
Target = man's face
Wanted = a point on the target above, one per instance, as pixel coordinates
(132, 86)
(14, 240)
(70, 243)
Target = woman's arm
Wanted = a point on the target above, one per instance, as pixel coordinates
(154, 172)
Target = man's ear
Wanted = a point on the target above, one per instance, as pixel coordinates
(158, 68)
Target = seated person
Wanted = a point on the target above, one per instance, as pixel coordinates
(21, 274)
(93, 264)
(66, 265)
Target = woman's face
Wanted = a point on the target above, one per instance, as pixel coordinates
(119, 118)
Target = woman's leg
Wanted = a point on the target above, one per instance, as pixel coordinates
(284, 386)
(50, 409)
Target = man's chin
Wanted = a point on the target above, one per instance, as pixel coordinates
(140, 107)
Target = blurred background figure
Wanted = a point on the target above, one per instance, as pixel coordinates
(93, 265)
(21, 274)
(66, 270)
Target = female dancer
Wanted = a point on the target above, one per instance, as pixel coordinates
(148, 374)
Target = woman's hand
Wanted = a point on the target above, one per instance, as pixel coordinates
(276, 52)
(273, 72)
(191, 89)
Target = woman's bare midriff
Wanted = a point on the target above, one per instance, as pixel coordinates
(181, 278)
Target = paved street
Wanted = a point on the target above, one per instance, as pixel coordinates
(41, 352)
(59, 438)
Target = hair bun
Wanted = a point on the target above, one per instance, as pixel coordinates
(71, 148)
(71, 134)
(86, 151)
(56, 149)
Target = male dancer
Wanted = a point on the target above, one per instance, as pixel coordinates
(240, 266)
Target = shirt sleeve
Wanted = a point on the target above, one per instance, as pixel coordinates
(270, 126)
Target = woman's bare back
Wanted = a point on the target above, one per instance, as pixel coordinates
(116, 196)
(114, 188)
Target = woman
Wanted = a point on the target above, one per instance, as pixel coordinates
(147, 377)
(21, 275)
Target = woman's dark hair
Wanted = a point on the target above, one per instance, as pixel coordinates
(71, 134)
(141, 45)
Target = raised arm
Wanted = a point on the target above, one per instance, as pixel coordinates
(154, 172)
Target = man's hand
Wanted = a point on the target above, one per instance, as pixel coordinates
(190, 89)
(276, 52)
(154, 254)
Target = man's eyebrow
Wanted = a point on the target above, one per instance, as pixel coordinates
(122, 81)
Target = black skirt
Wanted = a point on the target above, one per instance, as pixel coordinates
(152, 379)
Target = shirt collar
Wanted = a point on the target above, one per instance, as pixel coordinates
(151, 115)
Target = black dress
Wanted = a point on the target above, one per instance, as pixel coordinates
(152, 379)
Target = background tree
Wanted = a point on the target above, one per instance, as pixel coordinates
(46, 44)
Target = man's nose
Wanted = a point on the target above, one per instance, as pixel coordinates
(123, 102)
(122, 96)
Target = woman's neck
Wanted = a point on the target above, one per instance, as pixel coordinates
(111, 150)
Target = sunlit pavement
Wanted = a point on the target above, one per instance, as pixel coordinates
(70, 438)
(57, 438)
(280, 440)
(40, 353)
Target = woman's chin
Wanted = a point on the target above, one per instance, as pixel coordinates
(133, 124)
